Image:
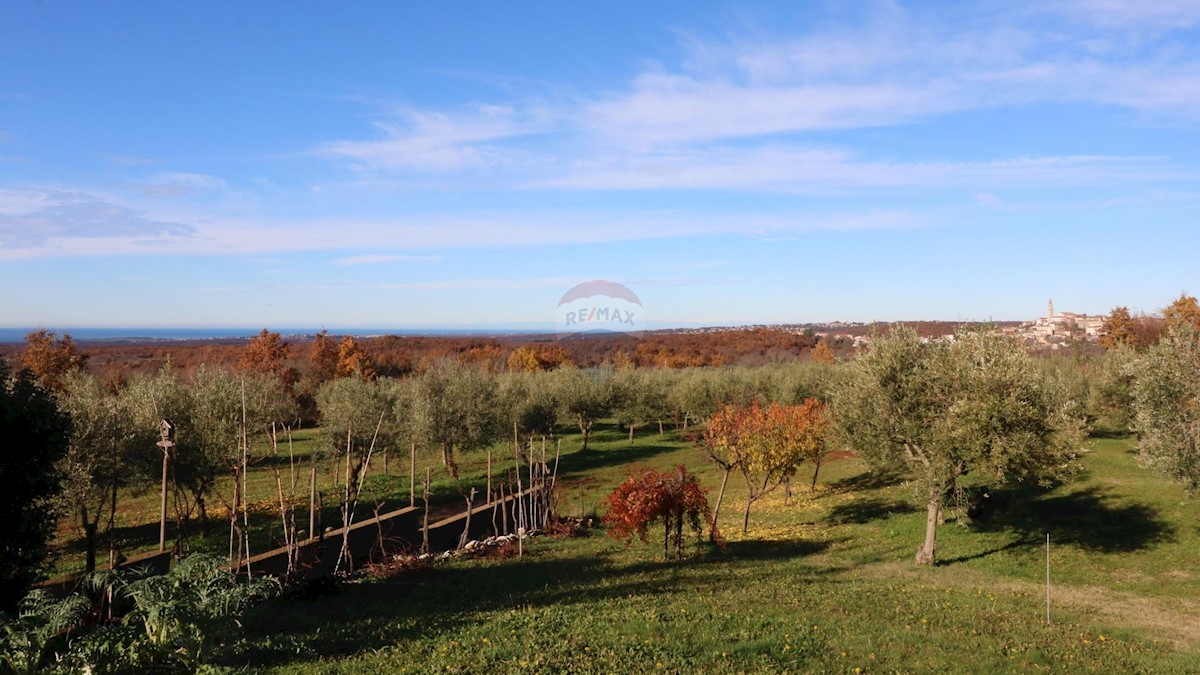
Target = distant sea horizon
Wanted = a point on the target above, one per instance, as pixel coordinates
(10, 334)
(172, 334)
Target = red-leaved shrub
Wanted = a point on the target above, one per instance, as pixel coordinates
(673, 497)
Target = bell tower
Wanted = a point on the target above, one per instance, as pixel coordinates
(1050, 309)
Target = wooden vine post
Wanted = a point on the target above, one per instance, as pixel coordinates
(425, 518)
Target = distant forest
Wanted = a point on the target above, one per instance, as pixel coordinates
(395, 356)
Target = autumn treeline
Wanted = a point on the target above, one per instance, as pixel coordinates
(395, 356)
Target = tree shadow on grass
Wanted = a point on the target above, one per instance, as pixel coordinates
(1019, 542)
(866, 510)
(768, 549)
(415, 606)
(1103, 432)
(1088, 519)
(580, 462)
(869, 480)
(1094, 521)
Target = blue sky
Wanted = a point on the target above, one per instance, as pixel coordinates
(464, 164)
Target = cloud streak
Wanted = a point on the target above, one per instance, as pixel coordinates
(790, 170)
(378, 259)
(440, 141)
(45, 232)
(37, 220)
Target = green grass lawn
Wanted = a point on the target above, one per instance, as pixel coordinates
(823, 583)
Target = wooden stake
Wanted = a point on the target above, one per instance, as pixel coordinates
(245, 473)
(466, 534)
(520, 506)
(312, 498)
(162, 519)
(412, 476)
(553, 477)
(425, 521)
(503, 509)
(352, 502)
(495, 512)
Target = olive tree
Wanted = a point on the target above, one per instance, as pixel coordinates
(639, 397)
(1167, 412)
(353, 412)
(944, 410)
(656, 394)
(101, 457)
(454, 408)
(152, 399)
(697, 394)
(528, 403)
(216, 415)
(799, 381)
(1112, 391)
(584, 396)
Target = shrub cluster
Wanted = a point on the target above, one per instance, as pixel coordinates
(648, 496)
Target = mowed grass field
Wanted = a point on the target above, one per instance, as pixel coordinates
(823, 582)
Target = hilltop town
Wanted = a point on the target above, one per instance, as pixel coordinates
(1052, 331)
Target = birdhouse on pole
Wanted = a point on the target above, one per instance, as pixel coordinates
(166, 429)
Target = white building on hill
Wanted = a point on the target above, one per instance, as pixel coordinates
(1064, 325)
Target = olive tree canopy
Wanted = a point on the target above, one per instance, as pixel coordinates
(1167, 406)
(945, 409)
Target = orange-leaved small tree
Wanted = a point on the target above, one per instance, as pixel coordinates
(822, 354)
(265, 354)
(778, 439)
(722, 441)
(765, 445)
(323, 359)
(647, 496)
(50, 358)
(1118, 329)
(1185, 310)
(807, 427)
(354, 360)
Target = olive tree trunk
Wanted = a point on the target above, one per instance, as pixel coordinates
(927, 555)
(717, 509)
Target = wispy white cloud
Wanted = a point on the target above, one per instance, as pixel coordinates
(42, 224)
(1137, 15)
(430, 285)
(780, 168)
(176, 184)
(129, 160)
(669, 109)
(907, 66)
(40, 219)
(480, 284)
(438, 141)
(376, 259)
